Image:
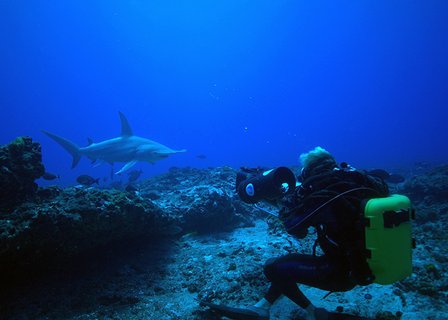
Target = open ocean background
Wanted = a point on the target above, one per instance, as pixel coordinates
(241, 82)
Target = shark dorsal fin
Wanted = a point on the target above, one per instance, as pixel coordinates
(89, 141)
(126, 129)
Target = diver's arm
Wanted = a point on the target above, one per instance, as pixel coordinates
(294, 222)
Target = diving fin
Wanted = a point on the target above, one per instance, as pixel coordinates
(235, 313)
(248, 314)
(340, 316)
(345, 316)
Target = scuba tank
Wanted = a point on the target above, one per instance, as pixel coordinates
(388, 237)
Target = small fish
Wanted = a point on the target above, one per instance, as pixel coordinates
(201, 156)
(171, 230)
(117, 185)
(386, 176)
(50, 176)
(152, 196)
(190, 235)
(380, 173)
(422, 165)
(87, 180)
(131, 188)
(6, 169)
(134, 175)
(395, 178)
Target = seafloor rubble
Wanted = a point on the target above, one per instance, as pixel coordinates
(84, 253)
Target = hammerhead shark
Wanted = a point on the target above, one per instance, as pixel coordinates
(125, 148)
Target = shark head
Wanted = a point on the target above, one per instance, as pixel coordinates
(153, 152)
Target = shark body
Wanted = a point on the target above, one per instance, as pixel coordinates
(125, 148)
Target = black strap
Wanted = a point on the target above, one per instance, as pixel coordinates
(395, 218)
(317, 210)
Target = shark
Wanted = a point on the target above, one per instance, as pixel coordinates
(127, 148)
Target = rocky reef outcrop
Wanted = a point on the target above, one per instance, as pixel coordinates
(190, 218)
(429, 188)
(43, 229)
(200, 200)
(20, 166)
(429, 195)
(61, 224)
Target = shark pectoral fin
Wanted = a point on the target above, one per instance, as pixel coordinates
(127, 166)
(97, 163)
(168, 152)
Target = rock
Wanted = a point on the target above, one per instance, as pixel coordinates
(48, 228)
(77, 221)
(428, 188)
(201, 200)
(20, 165)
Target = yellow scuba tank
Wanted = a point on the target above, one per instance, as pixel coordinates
(388, 238)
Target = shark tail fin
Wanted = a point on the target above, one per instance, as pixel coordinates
(72, 148)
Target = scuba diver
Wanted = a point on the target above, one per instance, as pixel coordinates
(330, 198)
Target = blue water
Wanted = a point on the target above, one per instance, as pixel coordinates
(242, 82)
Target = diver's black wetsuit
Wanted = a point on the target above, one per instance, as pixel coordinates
(343, 264)
(319, 272)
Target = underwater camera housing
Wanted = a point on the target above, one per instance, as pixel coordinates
(268, 185)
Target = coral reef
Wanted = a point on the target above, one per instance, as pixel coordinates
(201, 200)
(429, 194)
(20, 165)
(54, 226)
(428, 188)
(49, 230)
(152, 252)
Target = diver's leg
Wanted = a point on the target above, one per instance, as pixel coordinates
(279, 273)
(294, 294)
(320, 272)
